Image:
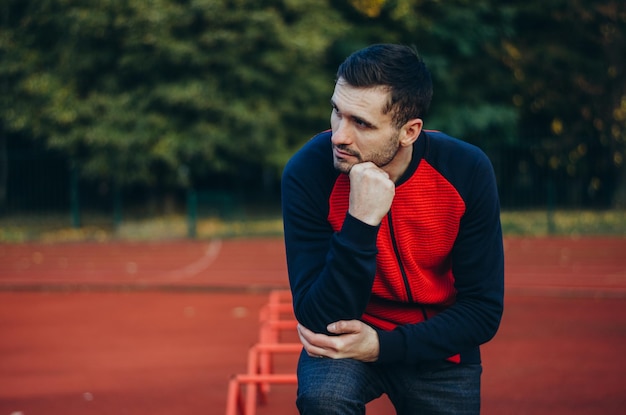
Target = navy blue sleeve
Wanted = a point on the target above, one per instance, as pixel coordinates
(330, 273)
(478, 268)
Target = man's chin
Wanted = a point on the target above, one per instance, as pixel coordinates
(342, 166)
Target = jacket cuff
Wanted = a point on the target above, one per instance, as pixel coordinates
(360, 232)
(392, 347)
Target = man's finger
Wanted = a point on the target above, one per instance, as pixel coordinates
(343, 326)
(308, 340)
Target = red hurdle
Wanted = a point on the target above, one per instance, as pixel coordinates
(276, 316)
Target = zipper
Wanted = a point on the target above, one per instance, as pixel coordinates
(405, 279)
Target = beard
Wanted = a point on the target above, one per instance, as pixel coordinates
(381, 156)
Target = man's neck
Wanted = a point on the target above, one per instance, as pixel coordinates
(400, 163)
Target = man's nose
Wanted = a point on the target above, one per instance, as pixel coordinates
(341, 133)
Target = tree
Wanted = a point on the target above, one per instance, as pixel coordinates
(568, 63)
(540, 86)
(166, 92)
(210, 93)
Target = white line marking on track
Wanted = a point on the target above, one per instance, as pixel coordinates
(196, 267)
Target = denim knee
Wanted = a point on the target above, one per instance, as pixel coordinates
(327, 386)
(311, 403)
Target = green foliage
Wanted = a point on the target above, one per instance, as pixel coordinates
(139, 91)
(180, 92)
(571, 223)
(569, 72)
(460, 41)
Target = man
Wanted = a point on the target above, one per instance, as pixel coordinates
(394, 248)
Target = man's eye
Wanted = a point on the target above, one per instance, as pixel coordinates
(360, 123)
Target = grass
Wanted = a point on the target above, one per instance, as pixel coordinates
(564, 222)
(52, 228)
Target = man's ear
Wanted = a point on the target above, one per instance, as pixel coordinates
(410, 131)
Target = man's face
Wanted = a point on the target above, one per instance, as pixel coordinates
(361, 132)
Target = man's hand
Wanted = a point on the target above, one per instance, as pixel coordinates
(371, 193)
(354, 339)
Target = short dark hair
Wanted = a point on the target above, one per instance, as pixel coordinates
(398, 68)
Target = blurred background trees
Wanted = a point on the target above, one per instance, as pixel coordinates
(152, 98)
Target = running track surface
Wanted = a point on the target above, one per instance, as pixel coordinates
(158, 328)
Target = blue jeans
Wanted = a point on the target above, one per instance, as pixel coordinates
(345, 386)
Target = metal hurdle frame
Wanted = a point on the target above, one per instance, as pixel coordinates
(276, 316)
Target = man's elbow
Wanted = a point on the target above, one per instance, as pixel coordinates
(312, 318)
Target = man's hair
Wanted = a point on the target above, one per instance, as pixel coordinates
(398, 68)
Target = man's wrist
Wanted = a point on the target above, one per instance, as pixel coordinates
(391, 346)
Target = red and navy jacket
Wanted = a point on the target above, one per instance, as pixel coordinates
(429, 278)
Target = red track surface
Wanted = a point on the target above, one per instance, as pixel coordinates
(158, 328)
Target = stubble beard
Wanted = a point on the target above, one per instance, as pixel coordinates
(380, 158)
(344, 166)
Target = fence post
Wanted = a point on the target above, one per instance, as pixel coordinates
(117, 204)
(74, 197)
(551, 198)
(192, 209)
